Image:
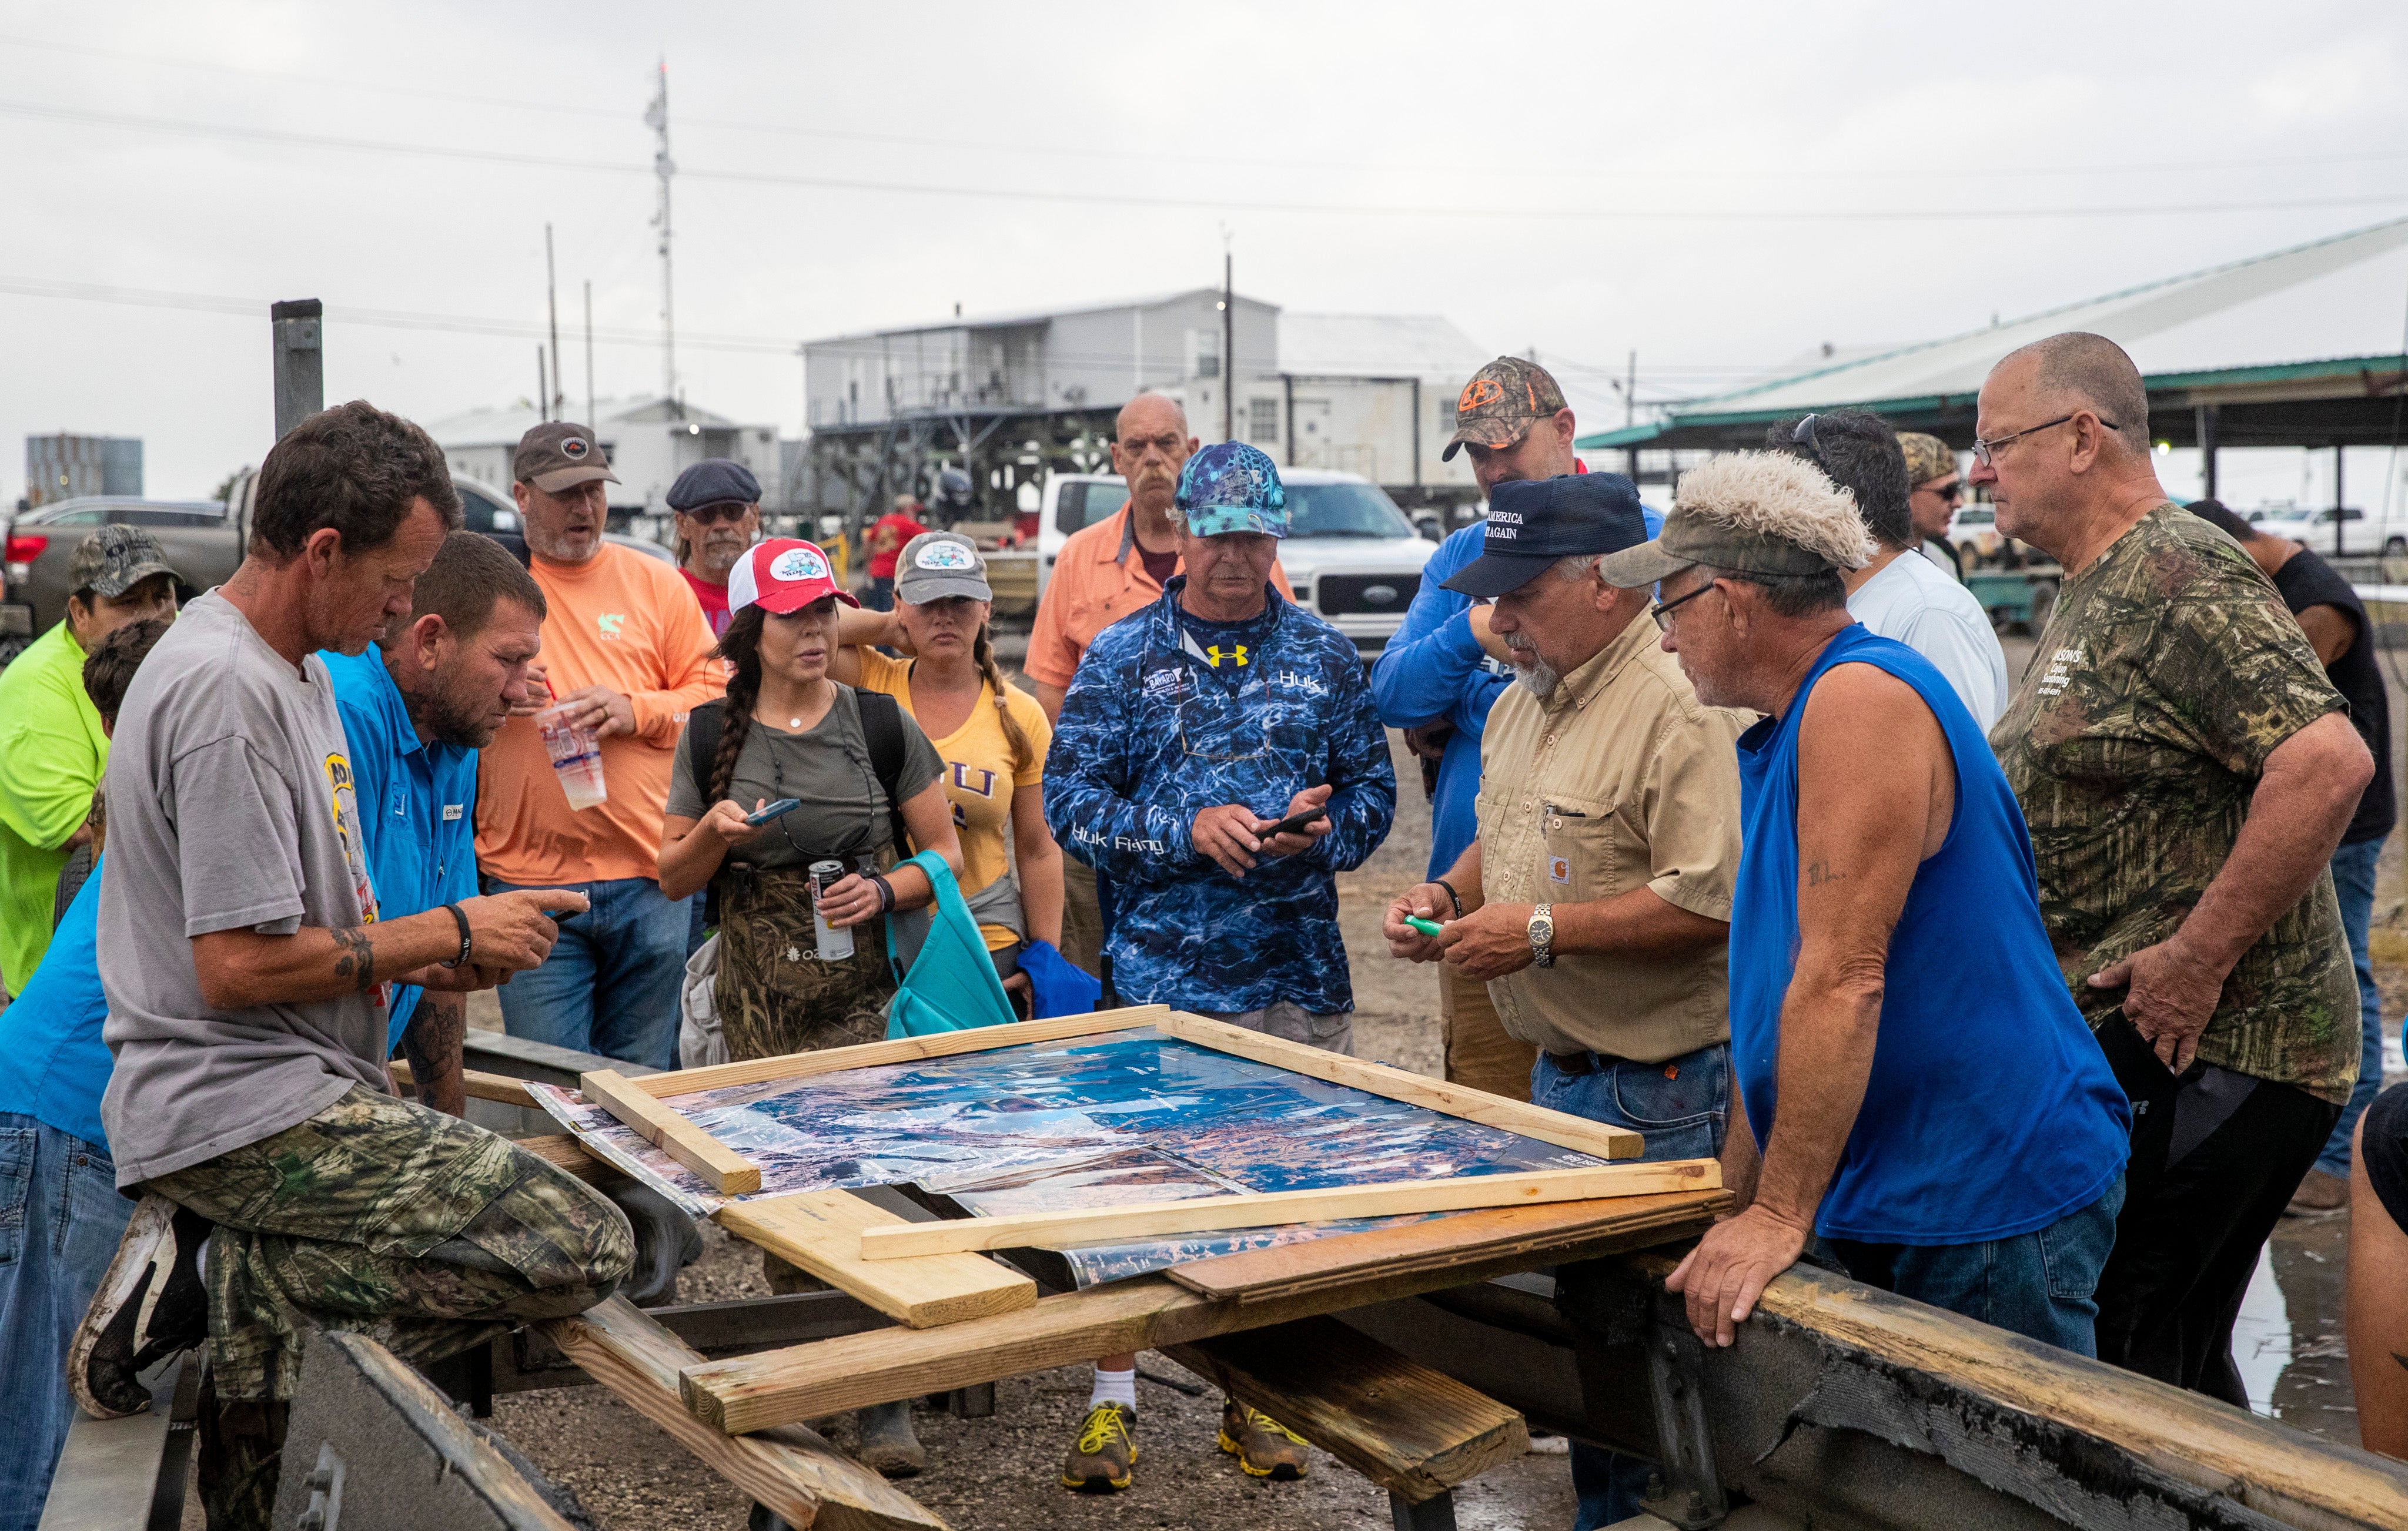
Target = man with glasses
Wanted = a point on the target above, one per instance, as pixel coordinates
(718, 506)
(2187, 769)
(1898, 594)
(1934, 491)
(1219, 760)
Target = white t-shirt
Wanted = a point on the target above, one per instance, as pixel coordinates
(1921, 607)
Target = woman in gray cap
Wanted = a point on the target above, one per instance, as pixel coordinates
(991, 735)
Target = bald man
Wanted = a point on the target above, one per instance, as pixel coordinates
(2187, 770)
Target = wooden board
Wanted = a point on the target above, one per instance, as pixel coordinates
(564, 1151)
(805, 1381)
(1461, 1100)
(1407, 1427)
(943, 1044)
(1261, 1209)
(478, 1085)
(726, 1171)
(1443, 1244)
(821, 1231)
(792, 1471)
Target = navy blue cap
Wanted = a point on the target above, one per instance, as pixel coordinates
(1534, 521)
(712, 481)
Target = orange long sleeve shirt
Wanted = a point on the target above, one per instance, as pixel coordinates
(626, 622)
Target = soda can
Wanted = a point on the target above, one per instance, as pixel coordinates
(835, 945)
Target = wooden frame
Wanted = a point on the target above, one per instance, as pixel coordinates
(895, 1240)
(728, 1172)
(822, 1232)
(941, 1044)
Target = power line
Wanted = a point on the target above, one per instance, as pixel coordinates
(1547, 214)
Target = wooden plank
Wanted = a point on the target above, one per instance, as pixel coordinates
(805, 1381)
(792, 1471)
(726, 1171)
(1263, 1208)
(1461, 1100)
(1443, 1243)
(478, 1085)
(1408, 1428)
(943, 1044)
(564, 1151)
(821, 1231)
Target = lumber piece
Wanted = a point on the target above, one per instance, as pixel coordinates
(1442, 1244)
(478, 1085)
(1261, 1209)
(943, 1044)
(1459, 1100)
(821, 1231)
(1408, 1428)
(792, 1471)
(726, 1171)
(562, 1151)
(805, 1381)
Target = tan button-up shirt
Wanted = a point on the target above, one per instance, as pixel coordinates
(1621, 779)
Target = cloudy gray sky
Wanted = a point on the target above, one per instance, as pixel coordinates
(1720, 186)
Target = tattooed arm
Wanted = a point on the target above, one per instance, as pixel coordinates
(432, 1044)
(240, 968)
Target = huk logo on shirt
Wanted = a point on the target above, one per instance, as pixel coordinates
(608, 623)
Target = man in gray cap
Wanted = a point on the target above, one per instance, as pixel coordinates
(718, 506)
(52, 750)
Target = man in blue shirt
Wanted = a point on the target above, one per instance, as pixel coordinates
(1433, 680)
(416, 710)
(61, 1217)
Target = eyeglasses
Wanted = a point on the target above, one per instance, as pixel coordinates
(712, 514)
(1950, 493)
(1662, 611)
(1984, 453)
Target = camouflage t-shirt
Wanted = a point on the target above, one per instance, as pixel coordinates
(2168, 672)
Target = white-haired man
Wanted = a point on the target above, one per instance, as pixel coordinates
(1933, 1107)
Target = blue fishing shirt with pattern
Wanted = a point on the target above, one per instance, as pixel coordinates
(1170, 715)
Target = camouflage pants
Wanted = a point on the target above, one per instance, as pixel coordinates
(382, 1218)
(774, 994)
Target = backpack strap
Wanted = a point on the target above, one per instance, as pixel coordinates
(704, 725)
(881, 729)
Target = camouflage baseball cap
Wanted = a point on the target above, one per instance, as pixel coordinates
(560, 455)
(1501, 404)
(1927, 457)
(114, 559)
(1749, 512)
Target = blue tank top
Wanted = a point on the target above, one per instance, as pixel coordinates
(1990, 1110)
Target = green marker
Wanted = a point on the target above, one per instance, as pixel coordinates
(1427, 927)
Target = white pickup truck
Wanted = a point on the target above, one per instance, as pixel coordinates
(2361, 536)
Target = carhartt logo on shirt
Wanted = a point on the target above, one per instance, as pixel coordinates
(609, 623)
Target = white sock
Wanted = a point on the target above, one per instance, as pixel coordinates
(1118, 1387)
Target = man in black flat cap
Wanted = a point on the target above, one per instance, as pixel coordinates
(1608, 838)
(718, 506)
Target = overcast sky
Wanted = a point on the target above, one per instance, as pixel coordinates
(1719, 186)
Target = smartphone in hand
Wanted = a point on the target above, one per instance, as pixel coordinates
(783, 804)
(1293, 826)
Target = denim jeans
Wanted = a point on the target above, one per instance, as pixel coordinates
(610, 985)
(2042, 1285)
(1681, 1108)
(2353, 870)
(59, 1220)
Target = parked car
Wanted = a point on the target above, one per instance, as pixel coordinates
(1350, 555)
(1974, 531)
(2361, 536)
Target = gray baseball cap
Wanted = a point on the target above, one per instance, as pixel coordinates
(936, 564)
(115, 559)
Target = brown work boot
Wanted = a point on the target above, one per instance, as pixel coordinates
(2319, 1195)
(1101, 1458)
(1263, 1446)
(887, 1443)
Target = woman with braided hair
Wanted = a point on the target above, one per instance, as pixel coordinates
(991, 735)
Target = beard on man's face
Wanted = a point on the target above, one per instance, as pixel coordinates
(454, 717)
(1529, 670)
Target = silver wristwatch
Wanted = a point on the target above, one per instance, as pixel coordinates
(1542, 936)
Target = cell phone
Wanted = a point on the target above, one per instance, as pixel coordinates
(783, 804)
(1293, 826)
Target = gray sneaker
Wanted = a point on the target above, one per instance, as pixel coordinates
(151, 1304)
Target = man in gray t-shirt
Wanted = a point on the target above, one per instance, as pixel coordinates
(247, 976)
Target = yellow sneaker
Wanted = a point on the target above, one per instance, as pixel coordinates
(1101, 1459)
(1263, 1446)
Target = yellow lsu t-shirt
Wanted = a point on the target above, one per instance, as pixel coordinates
(981, 771)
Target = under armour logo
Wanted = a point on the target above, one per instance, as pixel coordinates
(1236, 654)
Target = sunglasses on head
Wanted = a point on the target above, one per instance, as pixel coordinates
(712, 514)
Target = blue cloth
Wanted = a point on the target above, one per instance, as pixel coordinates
(1990, 1110)
(2042, 1285)
(418, 804)
(953, 984)
(61, 1219)
(1056, 987)
(610, 985)
(53, 1065)
(1433, 670)
(1151, 733)
(2353, 873)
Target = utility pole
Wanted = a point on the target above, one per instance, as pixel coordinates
(589, 359)
(542, 388)
(557, 403)
(1630, 412)
(300, 361)
(657, 119)
(1229, 344)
